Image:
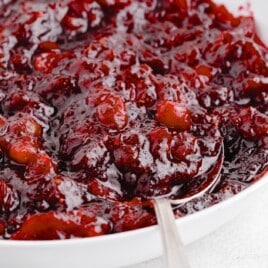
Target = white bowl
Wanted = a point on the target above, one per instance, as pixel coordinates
(122, 249)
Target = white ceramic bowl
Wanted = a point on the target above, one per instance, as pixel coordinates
(117, 250)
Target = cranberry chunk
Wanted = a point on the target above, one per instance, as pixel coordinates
(173, 115)
(23, 151)
(111, 111)
(67, 225)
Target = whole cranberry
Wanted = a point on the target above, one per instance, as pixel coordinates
(111, 111)
(173, 115)
(23, 151)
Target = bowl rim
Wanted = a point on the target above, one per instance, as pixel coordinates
(262, 181)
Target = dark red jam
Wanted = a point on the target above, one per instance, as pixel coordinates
(106, 104)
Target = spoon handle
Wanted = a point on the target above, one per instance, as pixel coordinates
(174, 252)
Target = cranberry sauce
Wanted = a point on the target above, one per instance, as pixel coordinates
(107, 104)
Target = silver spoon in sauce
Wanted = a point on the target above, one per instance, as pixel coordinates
(174, 252)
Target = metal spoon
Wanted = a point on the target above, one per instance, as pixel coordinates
(174, 252)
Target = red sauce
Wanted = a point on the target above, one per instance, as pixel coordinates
(106, 104)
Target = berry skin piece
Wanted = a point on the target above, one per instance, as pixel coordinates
(173, 115)
(41, 165)
(2, 228)
(9, 199)
(48, 46)
(99, 189)
(47, 61)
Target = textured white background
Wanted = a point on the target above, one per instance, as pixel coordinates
(242, 243)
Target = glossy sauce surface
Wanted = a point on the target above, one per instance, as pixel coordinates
(107, 104)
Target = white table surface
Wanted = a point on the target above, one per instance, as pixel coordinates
(241, 243)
